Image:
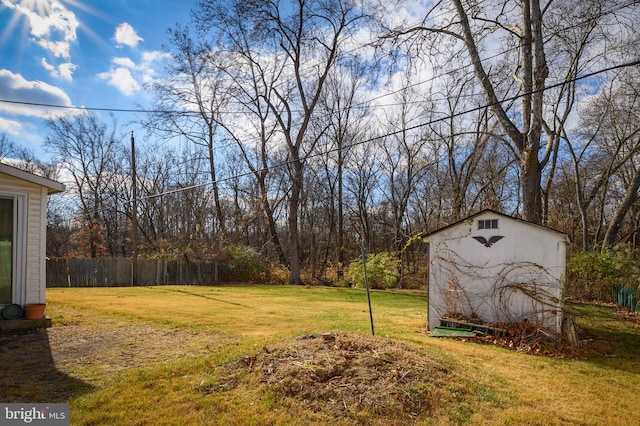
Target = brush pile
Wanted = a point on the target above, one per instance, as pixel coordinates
(352, 376)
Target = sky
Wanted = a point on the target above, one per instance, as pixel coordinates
(81, 53)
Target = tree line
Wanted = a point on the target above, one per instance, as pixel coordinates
(267, 131)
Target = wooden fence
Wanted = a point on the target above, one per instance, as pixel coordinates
(117, 271)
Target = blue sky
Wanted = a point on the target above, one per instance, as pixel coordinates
(85, 53)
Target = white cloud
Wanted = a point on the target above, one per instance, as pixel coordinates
(127, 35)
(148, 76)
(53, 27)
(64, 71)
(124, 62)
(154, 56)
(10, 127)
(60, 49)
(47, 66)
(14, 87)
(409, 13)
(121, 79)
(150, 61)
(128, 76)
(47, 18)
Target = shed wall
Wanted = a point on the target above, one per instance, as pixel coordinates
(520, 276)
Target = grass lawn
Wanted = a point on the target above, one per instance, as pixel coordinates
(187, 357)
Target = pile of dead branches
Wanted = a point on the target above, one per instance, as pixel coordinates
(530, 338)
(343, 375)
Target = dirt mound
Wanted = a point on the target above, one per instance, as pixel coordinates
(348, 375)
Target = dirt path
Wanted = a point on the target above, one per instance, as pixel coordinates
(84, 350)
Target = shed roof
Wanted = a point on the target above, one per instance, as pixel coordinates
(52, 186)
(473, 216)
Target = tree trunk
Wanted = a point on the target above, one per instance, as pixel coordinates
(582, 206)
(273, 230)
(531, 190)
(621, 211)
(534, 72)
(340, 244)
(214, 184)
(294, 205)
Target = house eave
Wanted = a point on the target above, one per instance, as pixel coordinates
(52, 186)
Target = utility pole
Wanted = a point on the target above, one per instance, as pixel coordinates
(134, 216)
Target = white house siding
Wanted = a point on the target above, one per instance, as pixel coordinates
(31, 264)
(36, 251)
(520, 276)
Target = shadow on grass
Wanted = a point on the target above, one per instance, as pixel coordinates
(612, 339)
(207, 297)
(28, 372)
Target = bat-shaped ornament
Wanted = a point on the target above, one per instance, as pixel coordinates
(489, 243)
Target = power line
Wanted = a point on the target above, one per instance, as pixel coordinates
(363, 104)
(375, 138)
(415, 127)
(101, 109)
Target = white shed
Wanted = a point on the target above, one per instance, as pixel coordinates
(23, 225)
(497, 269)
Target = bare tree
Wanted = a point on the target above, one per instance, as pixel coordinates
(347, 119)
(154, 165)
(531, 73)
(619, 135)
(6, 146)
(88, 151)
(362, 179)
(586, 35)
(24, 158)
(406, 159)
(189, 105)
(517, 28)
(246, 79)
(463, 141)
(176, 208)
(302, 41)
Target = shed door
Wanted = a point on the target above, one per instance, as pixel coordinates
(6, 249)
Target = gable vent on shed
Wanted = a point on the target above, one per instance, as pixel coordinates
(488, 224)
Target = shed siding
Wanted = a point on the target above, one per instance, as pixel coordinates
(520, 276)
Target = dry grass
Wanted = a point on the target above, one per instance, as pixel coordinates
(262, 311)
(245, 355)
